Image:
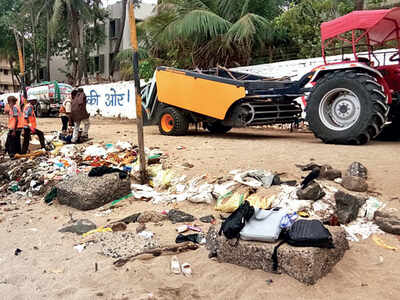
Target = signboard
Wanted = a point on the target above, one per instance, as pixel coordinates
(111, 100)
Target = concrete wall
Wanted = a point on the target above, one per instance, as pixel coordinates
(57, 65)
(111, 100)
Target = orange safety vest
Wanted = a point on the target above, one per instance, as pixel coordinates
(31, 119)
(12, 120)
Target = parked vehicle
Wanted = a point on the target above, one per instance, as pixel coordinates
(348, 102)
(353, 99)
(220, 99)
(50, 96)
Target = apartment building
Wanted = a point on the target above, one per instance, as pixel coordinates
(101, 58)
(6, 81)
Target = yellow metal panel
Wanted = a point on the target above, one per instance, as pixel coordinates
(199, 95)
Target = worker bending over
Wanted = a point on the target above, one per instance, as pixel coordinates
(30, 125)
(15, 125)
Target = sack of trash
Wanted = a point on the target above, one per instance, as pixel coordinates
(261, 199)
(232, 200)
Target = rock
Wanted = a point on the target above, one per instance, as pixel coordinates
(357, 169)
(312, 192)
(388, 221)
(84, 192)
(276, 180)
(306, 264)
(207, 219)
(151, 216)
(354, 183)
(330, 173)
(347, 206)
(187, 165)
(79, 227)
(177, 216)
(120, 226)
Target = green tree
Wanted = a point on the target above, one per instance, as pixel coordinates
(302, 23)
(204, 33)
(8, 47)
(81, 19)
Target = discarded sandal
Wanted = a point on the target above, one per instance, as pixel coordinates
(186, 269)
(175, 266)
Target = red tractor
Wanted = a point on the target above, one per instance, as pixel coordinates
(353, 99)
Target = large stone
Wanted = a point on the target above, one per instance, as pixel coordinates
(84, 192)
(354, 183)
(311, 192)
(357, 169)
(347, 206)
(306, 264)
(330, 173)
(388, 221)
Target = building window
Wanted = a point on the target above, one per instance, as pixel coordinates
(5, 72)
(99, 64)
(114, 28)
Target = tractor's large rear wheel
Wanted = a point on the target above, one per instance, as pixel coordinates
(346, 107)
(173, 122)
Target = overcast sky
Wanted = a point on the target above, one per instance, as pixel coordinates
(109, 2)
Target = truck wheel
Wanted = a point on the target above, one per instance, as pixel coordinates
(346, 107)
(39, 112)
(172, 122)
(217, 127)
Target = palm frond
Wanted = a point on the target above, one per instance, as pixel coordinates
(248, 29)
(198, 25)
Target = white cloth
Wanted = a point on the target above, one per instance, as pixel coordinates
(77, 125)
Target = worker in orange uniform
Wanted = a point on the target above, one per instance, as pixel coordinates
(30, 125)
(15, 125)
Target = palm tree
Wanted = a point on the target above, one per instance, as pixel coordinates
(209, 32)
(75, 16)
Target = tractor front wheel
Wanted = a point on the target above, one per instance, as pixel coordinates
(346, 107)
(173, 122)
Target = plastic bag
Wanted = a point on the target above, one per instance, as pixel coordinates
(371, 205)
(93, 151)
(261, 199)
(232, 200)
(255, 178)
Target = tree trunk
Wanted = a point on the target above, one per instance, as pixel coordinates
(12, 73)
(48, 47)
(120, 36)
(75, 45)
(35, 62)
(270, 53)
(359, 4)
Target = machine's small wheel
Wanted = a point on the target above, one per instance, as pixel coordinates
(217, 127)
(173, 122)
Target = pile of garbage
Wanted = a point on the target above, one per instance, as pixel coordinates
(320, 199)
(36, 173)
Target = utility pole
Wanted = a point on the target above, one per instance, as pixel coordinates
(139, 114)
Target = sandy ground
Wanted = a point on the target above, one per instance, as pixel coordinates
(49, 267)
